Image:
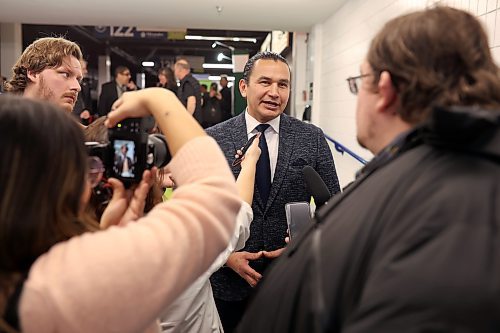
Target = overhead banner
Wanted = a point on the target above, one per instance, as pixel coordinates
(135, 33)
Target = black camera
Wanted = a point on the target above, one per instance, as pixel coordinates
(131, 150)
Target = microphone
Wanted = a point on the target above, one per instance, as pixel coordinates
(316, 186)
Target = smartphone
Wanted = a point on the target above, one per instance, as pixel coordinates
(244, 150)
(298, 217)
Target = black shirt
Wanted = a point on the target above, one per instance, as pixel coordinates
(189, 86)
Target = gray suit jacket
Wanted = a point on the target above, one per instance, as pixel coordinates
(300, 144)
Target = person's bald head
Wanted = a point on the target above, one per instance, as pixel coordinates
(181, 68)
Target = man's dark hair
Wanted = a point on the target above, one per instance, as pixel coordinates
(261, 55)
(204, 86)
(121, 69)
(438, 56)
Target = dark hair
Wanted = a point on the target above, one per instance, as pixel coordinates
(42, 174)
(261, 55)
(169, 74)
(204, 85)
(43, 53)
(120, 70)
(438, 56)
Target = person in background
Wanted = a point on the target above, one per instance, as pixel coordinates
(189, 91)
(49, 69)
(412, 244)
(83, 105)
(166, 79)
(226, 98)
(54, 281)
(212, 113)
(111, 91)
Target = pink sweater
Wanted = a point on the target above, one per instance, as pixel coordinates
(120, 279)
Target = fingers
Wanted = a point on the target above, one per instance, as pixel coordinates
(252, 255)
(118, 188)
(251, 277)
(117, 112)
(273, 254)
(138, 200)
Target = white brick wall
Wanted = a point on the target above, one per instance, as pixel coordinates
(339, 45)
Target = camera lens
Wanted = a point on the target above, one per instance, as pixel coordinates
(158, 153)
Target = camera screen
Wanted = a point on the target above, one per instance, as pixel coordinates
(124, 161)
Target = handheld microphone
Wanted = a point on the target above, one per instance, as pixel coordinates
(316, 186)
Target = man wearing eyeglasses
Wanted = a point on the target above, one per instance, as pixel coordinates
(111, 91)
(412, 244)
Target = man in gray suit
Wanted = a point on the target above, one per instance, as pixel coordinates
(287, 145)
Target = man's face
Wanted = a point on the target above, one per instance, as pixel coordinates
(223, 82)
(179, 72)
(123, 78)
(59, 85)
(268, 89)
(365, 109)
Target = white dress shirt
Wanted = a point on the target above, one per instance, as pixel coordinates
(272, 134)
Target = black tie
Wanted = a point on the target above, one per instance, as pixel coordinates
(263, 172)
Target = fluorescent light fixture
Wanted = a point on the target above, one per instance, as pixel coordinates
(148, 64)
(217, 78)
(218, 66)
(221, 56)
(232, 39)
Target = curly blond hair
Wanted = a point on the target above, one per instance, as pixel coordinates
(43, 53)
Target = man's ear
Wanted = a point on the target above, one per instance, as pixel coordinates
(32, 76)
(243, 88)
(387, 92)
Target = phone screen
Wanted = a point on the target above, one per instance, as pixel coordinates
(298, 217)
(124, 160)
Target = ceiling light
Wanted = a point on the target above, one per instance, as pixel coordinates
(148, 64)
(222, 44)
(218, 66)
(233, 39)
(217, 78)
(221, 56)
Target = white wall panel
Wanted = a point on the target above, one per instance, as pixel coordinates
(340, 44)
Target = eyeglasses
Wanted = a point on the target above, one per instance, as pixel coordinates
(353, 82)
(96, 170)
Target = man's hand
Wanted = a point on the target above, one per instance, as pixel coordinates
(238, 262)
(85, 114)
(273, 254)
(131, 86)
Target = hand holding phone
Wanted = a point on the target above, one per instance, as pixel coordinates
(241, 152)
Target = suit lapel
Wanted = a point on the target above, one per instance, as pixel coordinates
(238, 132)
(285, 148)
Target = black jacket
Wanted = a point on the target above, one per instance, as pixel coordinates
(411, 246)
(107, 97)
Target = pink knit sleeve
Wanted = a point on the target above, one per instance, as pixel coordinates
(119, 280)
